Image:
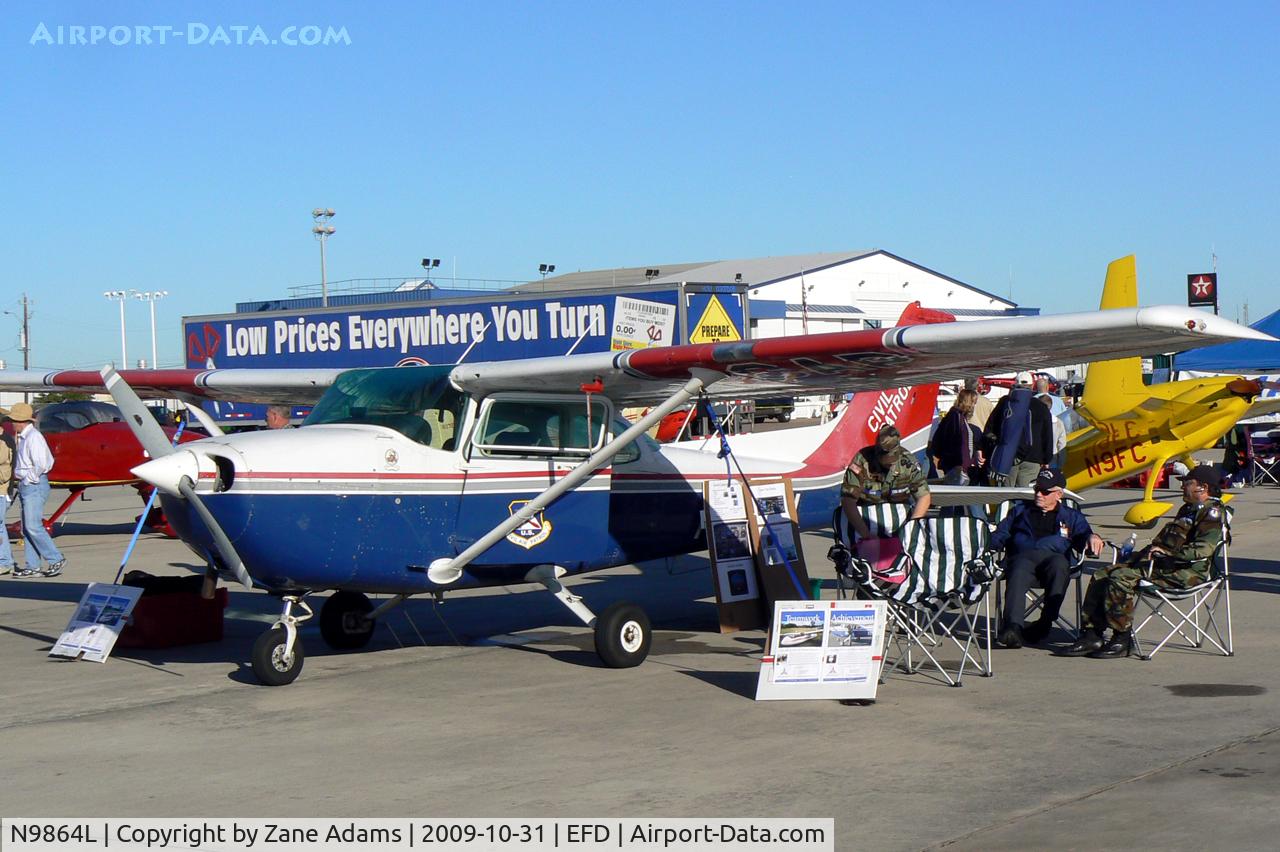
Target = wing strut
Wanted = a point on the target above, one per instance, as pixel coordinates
(446, 570)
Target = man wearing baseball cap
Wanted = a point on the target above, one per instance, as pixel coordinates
(1179, 555)
(31, 467)
(883, 473)
(1036, 537)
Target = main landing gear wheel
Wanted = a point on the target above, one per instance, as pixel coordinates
(271, 664)
(623, 636)
(344, 621)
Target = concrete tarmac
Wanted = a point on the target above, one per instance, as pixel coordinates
(494, 704)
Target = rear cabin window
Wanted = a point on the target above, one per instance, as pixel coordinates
(542, 427)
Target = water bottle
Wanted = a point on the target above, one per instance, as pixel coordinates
(1126, 549)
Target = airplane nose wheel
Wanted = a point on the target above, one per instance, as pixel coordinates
(277, 655)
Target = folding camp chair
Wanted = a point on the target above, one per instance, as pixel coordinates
(948, 572)
(1264, 459)
(884, 520)
(1181, 610)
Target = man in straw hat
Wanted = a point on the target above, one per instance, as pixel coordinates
(31, 467)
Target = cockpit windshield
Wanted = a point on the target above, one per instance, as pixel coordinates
(75, 415)
(417, 402)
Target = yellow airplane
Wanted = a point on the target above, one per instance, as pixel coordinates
(1135, 427)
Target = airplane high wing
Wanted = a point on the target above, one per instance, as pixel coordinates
(806, 364)
(431, 479)
(862, 360)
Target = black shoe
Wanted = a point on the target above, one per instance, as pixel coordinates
(1084, 646)
(1037, 633)
(1011, 636)
(1119, 645)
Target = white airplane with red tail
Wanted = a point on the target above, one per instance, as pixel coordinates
(425, 480)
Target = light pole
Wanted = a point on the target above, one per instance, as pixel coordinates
(120, 296)
(430, 263)
(544, 268)
(323, 231)
(152, 296)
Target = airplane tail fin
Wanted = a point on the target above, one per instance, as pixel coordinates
(1110, 386)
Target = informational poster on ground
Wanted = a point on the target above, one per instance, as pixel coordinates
(823, 649)
(639, 324)
(96, 624)
(775, 540)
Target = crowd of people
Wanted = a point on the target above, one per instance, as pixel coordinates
(1039, 536)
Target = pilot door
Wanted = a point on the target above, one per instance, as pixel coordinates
(520, 446)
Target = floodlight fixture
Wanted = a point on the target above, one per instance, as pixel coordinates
(322, 231)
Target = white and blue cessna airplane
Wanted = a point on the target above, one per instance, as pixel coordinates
(425, 480)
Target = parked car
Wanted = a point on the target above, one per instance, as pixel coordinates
(780, 408)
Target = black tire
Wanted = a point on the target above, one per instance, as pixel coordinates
(623, 636)
(268, 664)
(783, 418)
(343, 622)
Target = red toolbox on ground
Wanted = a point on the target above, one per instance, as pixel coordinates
(171, 612)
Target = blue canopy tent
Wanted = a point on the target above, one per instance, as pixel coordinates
(1242, 356)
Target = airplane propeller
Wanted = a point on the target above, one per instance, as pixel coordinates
(1245, 387)
(153, 439)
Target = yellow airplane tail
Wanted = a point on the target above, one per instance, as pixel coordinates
(1112, 388)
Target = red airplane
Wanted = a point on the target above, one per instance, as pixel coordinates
(92, 446)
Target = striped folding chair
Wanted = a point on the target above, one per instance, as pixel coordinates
(1182, 610)
(948, 573)
(945, 595)
(883, 520)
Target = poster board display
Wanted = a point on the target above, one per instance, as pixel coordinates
(731, 549)
(776, 541)
(96, 623)
(823, 649)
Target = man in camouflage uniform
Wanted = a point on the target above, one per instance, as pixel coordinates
(883, 473)
(1180, 558)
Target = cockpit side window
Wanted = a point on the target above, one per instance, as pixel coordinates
(542, 426)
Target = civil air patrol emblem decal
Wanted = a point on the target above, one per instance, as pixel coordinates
(532, 532)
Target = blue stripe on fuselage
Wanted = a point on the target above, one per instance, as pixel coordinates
(383, 542)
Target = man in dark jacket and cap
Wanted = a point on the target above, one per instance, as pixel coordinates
(1037, 537)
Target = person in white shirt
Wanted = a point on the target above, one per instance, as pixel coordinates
(31, 466)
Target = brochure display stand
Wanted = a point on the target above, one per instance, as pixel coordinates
(823, 649)
(754, 549)
(731, 548)
(96, 623)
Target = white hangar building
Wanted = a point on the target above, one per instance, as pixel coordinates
(829, 291)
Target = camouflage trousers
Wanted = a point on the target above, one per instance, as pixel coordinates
(1113, 591)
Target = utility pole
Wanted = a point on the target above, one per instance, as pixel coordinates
(26, 341)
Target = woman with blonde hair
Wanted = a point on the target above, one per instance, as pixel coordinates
(955, 448)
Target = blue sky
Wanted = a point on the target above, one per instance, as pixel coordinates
(1017, 147)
